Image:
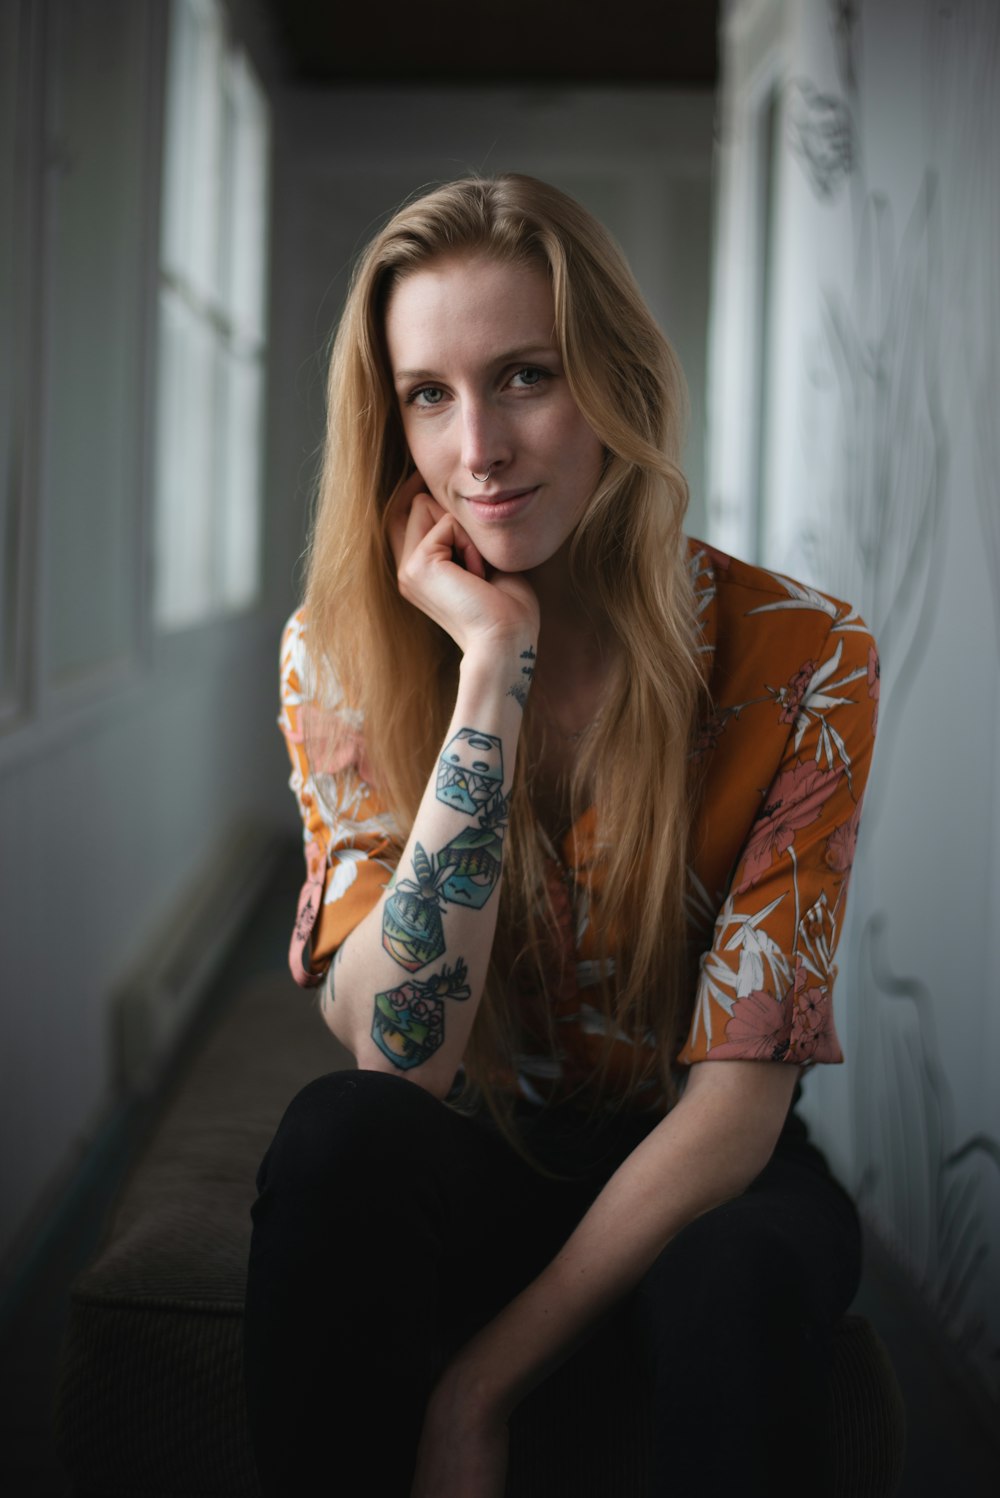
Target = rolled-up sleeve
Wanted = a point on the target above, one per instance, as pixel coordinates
(765, 987)
(350, 842)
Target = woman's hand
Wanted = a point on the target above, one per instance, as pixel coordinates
(441, 572)
(463, 1450)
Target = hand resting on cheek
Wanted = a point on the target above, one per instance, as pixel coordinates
(441, 572)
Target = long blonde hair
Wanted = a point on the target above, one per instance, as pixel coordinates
(400, 670)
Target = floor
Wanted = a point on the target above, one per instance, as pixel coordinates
(953, 1447)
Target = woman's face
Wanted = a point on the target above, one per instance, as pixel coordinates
(481, 386)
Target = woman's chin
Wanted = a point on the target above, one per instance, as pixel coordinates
(509, 564)
(513, 556)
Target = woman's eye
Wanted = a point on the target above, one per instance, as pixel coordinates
(427, 395)
(528, 377)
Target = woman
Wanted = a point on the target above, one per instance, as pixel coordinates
(580, 801)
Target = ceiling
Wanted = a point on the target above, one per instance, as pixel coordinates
(464, 42)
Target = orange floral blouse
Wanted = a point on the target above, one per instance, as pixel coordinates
(784, 753)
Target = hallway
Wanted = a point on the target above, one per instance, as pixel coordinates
(798, 185)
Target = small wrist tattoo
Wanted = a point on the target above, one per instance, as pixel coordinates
(520, 688)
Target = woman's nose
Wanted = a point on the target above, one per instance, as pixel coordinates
(486, 441)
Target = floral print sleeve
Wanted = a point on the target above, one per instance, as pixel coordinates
(804, 725)
(351, 843)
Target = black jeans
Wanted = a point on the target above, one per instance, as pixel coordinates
(388, 1228)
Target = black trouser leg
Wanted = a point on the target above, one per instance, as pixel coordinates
(387, 1229)
(736, 1317)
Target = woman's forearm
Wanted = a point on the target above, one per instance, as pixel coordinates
(404, 988)
(707, 1150)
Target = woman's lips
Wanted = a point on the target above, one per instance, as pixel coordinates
(502, 505)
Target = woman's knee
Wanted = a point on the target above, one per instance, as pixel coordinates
(744, 1286)
(788, 1246)
(730, 1279)
(347, 1126)
(719, 1254)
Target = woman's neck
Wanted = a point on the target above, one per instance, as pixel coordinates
(574, 631)
(577, 656)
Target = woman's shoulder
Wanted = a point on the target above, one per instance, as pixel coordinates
(739, 584)
(794, 694)
(306, 677)
(315, 716)
(752, 616)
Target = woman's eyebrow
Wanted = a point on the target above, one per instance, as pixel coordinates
(531, 351)
(512, 356)
(402, 375)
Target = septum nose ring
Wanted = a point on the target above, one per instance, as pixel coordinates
(483, 478)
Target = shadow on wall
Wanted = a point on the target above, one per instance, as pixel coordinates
(935, 1204)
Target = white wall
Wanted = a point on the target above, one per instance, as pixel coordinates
(873, 474)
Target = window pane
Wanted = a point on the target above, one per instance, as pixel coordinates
(184, 463)
(11, 213)
(192, 167)
(240, 486)
(214, 259)
(247, 220)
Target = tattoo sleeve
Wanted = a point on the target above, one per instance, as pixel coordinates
(412, 930)
(475, 856)
(465, 872)
(408, 1021)
(470, 770)
(408, 1025)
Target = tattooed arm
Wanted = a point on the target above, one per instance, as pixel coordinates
(403, 992)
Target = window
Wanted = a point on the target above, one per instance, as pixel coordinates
(13, 214)
(212, 326)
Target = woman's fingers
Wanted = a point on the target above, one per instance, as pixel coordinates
(440, 570)
(412, 514)
(432, 539)
(457, 593)
(399, 513)
(471, 559)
